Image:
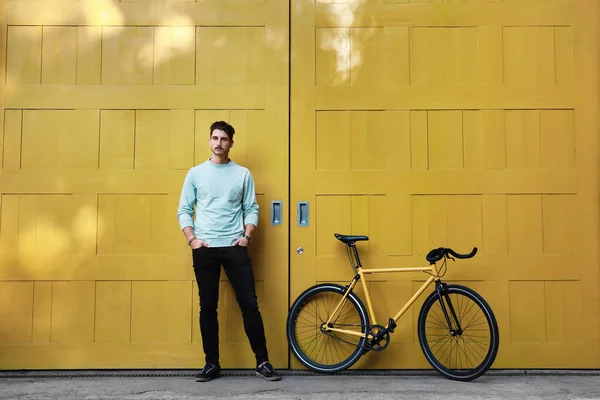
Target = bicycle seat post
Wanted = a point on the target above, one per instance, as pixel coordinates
(356, 261)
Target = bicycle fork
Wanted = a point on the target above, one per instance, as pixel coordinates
(455, 330)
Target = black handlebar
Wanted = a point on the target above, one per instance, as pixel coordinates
(457, 255)
(436, 255)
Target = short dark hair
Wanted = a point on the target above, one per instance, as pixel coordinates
(223, 126)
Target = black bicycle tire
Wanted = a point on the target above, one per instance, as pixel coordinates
(290, 325)
(492, 323)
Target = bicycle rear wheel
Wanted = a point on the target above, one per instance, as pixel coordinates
(326, 351)
(467, 349)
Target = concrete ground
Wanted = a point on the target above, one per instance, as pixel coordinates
(134, 385)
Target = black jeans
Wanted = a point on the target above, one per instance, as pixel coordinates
(238, 267)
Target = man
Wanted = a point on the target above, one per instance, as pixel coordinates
(226, 216)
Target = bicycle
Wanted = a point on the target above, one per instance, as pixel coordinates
(452, 317)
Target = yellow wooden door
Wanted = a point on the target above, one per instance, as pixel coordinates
(105, 106)
(459, 124)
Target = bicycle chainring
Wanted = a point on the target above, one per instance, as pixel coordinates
(382, 342)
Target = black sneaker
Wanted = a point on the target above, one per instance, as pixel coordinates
(266, 371)
(209, 372)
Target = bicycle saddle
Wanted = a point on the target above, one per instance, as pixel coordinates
(349, 238)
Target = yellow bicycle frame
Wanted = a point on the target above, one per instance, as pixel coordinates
(361, 272)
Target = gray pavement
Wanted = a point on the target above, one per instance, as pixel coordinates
(137, 385)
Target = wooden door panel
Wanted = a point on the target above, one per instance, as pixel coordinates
(105, 106)
(452, 124)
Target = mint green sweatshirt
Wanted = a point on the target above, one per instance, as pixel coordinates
(225, 201)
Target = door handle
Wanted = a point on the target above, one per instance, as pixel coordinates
(303, 213)
(275, 212)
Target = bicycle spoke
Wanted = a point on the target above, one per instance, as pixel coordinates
(441, 319)
(475, 352)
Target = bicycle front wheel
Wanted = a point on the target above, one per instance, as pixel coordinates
(459, 337)
(317, 348)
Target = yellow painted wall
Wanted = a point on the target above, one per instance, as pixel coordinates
(106, 105)
(454, 123)
(421, 124)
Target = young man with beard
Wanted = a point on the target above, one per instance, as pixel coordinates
(226, 215)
